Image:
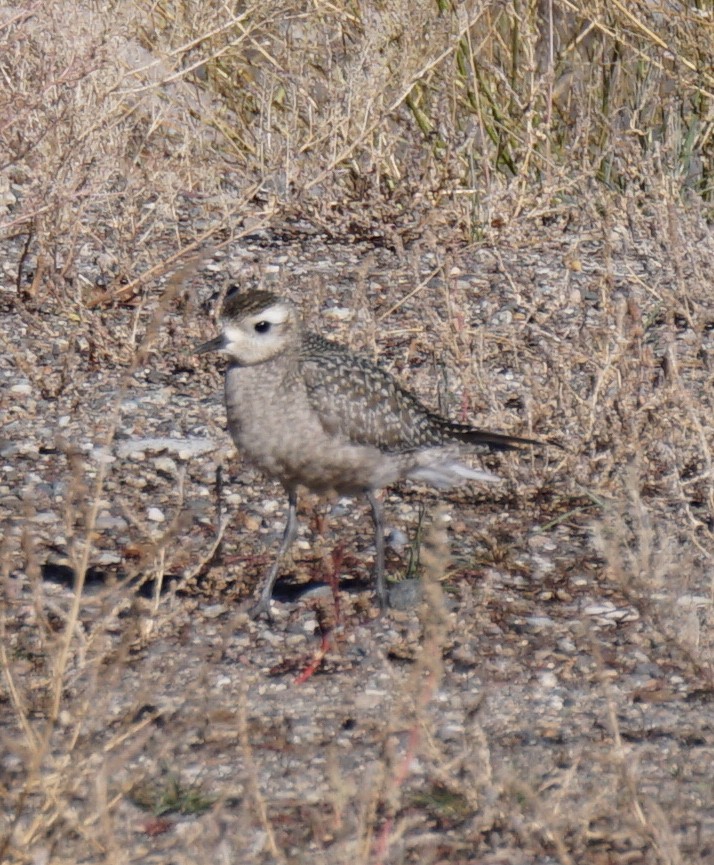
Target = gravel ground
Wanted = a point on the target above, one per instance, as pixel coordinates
(552, 700)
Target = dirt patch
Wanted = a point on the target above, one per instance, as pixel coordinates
(552, 702)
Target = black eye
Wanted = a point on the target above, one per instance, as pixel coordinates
(262, 327)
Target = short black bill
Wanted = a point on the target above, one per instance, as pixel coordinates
(217, 344)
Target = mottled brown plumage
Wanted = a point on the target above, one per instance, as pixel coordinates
(308, 411)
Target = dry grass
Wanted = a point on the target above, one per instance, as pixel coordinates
(528, 188)
(173, 125)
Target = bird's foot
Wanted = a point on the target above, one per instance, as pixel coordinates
(382, 599)
(261, 610)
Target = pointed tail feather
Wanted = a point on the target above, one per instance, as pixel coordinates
(494, 441)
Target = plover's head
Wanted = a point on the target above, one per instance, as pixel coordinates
(256, 326)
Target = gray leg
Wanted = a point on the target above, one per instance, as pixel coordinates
(380, 581)
(263, 605)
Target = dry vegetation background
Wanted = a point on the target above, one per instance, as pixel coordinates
(510, 204)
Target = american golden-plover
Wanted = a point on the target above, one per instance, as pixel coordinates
(307, 411)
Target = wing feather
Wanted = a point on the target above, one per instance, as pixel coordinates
(358, 399)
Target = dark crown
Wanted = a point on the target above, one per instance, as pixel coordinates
(238, 304)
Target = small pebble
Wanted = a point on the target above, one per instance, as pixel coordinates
(405, 595)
